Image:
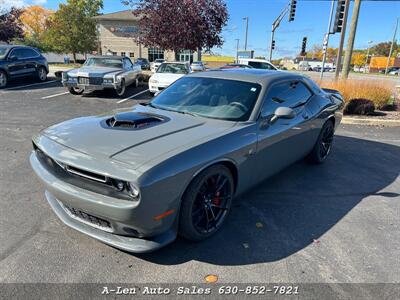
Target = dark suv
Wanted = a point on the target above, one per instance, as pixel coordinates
(18, 61)
(144, 63)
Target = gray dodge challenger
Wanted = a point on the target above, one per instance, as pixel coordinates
(136, 178)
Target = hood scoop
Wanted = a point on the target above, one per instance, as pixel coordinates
(133, 121)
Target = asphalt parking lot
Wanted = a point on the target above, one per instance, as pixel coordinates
(337, 222)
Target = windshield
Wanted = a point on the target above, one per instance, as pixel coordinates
(104, 62)
(3, 52)
(172, 68)
(210, 97)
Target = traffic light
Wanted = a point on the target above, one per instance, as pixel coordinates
(303, 47)
(273, 44)
(339, 16)
(292, 11)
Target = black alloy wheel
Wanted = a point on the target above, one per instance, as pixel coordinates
(323, 146)
(206, 203)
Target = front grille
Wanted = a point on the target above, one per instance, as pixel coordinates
(90, 80)
(87, 218)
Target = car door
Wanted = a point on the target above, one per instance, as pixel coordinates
(129, 71)
(283, 141)
(16, 65)
(30, 57)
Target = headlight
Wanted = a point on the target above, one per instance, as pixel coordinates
(108, 80)
(133, 190)
(153, 81)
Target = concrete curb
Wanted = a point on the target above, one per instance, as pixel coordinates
(371, 122)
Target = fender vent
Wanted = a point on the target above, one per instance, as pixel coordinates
(133, 121)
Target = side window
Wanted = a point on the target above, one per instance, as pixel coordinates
(29, 53)
(288, 94)
(260, 65)
(18, 53)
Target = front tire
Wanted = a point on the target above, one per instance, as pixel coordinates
(121, 89)
(3, 79)
(75, 91)
(323, 146)
(206, 203)
(42, 74)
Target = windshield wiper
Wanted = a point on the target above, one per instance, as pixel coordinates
(168, 109)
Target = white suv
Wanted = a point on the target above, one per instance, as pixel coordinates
(257, 63)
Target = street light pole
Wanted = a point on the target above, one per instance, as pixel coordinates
(326, 39)
(237, 50)
(275, 25)
(366, 59)
(247, 29)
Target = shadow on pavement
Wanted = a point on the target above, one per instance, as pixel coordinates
(20, 84)
(296, 206)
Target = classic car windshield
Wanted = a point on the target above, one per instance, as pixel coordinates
(104, 62)
(172, 68)
(210, 97)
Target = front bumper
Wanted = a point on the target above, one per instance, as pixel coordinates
(91, 87)
(154, 88)
(123, 224)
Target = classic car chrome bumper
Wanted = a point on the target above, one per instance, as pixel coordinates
(88, 86)
(118, 223)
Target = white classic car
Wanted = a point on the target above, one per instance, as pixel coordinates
(102, 72)
(166, 74)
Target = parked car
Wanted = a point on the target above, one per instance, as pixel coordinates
(143, 63)
(166, 74)
(257, 63)
(236, 66)
(102, 72)
(198, 66)
(394, 71)
(136, 178)
(155, 64)
(20, 61)
(390, 69)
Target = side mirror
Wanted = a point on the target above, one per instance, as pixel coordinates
(12, 58)
(283, 113)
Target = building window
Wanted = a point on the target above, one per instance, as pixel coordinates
(122, 53)
(114, 53)
(185, 55)
(131, 54)
(155, 53)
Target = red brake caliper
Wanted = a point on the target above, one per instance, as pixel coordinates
(217, 200)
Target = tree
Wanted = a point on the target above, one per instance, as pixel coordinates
(358, 59)
(72, 27)
(180, 25)
(35, 22)
(382, 49)
(10, 26)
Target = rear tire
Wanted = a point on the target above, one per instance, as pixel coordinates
(323, 146)
(75, 91)
(42, 74)
(3, 79)
(206, 203)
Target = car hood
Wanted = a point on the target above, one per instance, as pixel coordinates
(166, 78)
(90, 135)
(93, 71)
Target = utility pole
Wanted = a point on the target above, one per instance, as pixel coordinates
(326, 39)
(366, 59)
(342, 36)
(391, 47)
(237, 50)
(247, 30)
(350, 40)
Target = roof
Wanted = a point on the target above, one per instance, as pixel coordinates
(108, 56)
(7, 46)
(123, 15)
(249, 75)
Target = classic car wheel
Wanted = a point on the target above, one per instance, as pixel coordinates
(42, 74)
(206, 203)
(75, 91)
(323, 145)
(121, 90)
(3, 79)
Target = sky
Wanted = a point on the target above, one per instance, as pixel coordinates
(376, 23)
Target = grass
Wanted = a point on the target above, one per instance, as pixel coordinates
(379, 92)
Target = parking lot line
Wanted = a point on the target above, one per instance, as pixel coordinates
(55, 95)
(32, 84)
(133, 96)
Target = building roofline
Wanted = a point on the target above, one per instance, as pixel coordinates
(123, 15)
